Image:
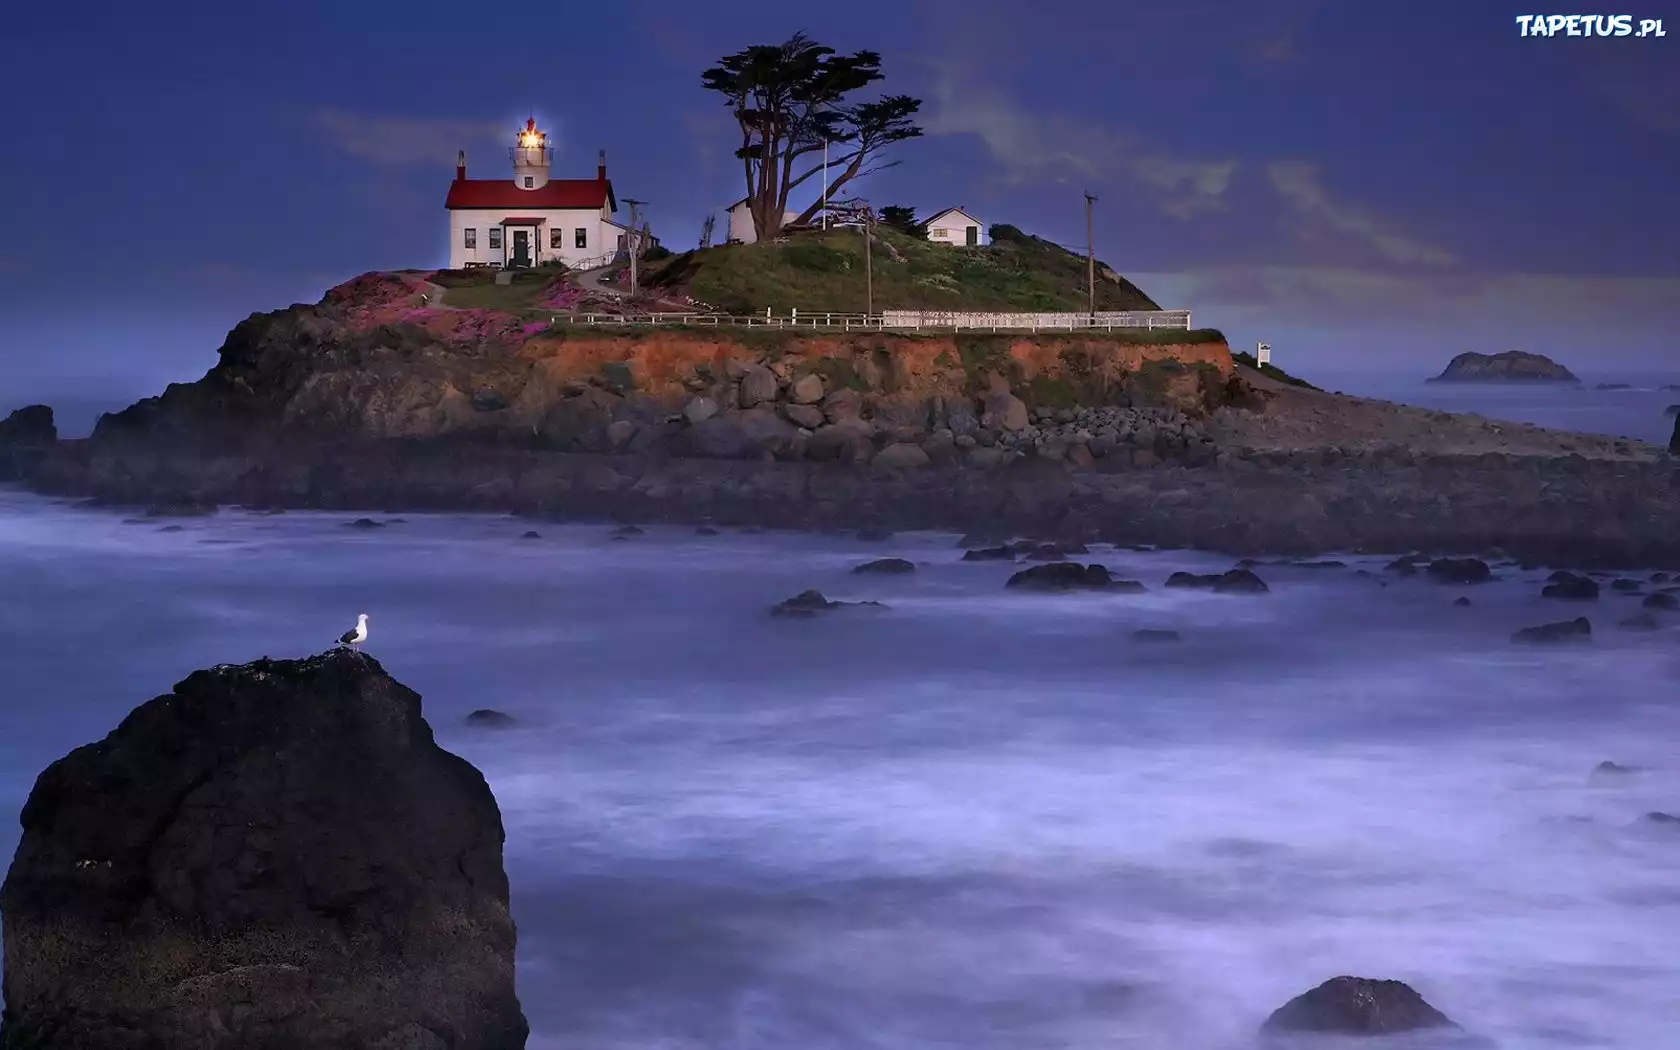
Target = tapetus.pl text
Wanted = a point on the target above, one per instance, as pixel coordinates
(1589, 25)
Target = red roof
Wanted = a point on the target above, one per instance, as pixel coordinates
(505, 193)
(522, 220)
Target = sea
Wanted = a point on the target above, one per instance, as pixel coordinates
(972, 817)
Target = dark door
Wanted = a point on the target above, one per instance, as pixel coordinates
(521, 247)
(973, 236)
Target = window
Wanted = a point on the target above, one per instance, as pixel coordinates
(557, 238)
(495, 236)
(940, 235)
(582, 237)
(527, 182)
(471, 242)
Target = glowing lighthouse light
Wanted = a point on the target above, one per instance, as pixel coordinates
(531, 157)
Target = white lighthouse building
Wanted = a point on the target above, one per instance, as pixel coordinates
(532, 218)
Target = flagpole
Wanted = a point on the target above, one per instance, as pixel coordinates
(825, 182)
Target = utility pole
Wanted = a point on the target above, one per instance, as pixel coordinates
(1090, 258)
(868, 269)
(825, 184)
(631, 236)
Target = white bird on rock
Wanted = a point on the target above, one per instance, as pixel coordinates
(357, 636)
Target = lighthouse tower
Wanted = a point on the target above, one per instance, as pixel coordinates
(532, 159)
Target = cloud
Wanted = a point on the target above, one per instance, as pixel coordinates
(1280, 45)
(1299, 186)
(1033, 147)
(404, 141)
(1639, 83)
(1363, 298)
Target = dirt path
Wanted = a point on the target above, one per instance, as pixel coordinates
(1295, 418)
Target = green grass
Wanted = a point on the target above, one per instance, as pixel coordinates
(474, 292)
(1270, 371)
(823, 271)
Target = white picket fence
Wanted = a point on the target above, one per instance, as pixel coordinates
(1035, 321)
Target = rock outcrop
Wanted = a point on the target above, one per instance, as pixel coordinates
(370, 362)
(273, 855)
(1356, 1006)
(25, 437)
(1512, 366)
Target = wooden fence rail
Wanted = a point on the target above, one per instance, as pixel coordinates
(894, 321)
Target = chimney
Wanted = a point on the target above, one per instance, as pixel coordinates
(601, 168)
(461, 166)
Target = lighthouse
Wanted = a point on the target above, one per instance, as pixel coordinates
(532, 219)
(532, 159)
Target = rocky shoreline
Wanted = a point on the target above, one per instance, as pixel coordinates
(1560, 511)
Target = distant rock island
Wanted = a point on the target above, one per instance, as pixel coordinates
(1512, 366)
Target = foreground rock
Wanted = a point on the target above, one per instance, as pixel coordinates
(1512, 366)
(273, 855)
(1356, 1006)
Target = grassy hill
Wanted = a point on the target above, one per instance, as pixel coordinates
(824, 271)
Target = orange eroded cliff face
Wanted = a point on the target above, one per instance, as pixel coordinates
(669, 364)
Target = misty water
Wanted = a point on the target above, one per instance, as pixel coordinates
(974, 818)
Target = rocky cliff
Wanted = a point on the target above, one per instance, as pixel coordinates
(25, 437)
(1512, 366)
(367, 362)
(273, 855)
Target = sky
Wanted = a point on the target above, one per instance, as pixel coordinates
(1363, 184)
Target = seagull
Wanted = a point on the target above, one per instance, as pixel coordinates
(357, 636)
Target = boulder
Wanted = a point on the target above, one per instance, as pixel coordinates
(699, 409)
(885, 567)
(808, 416)
(806, 604)
(1623, 585)
(739, 435)
(1660, 600)
(1004, 411)
(1564, 631)
(1613, 769)
(1568, 586)
(273, 855)
(758, 385)
(900, 456)
(842, 405)
(806, 390)
(1356, 1006)
(1461, 602)
(847, 440)
(1234, 581)
(490, 718)
(1070, 576)
(1459, 570)
(1674, 439)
